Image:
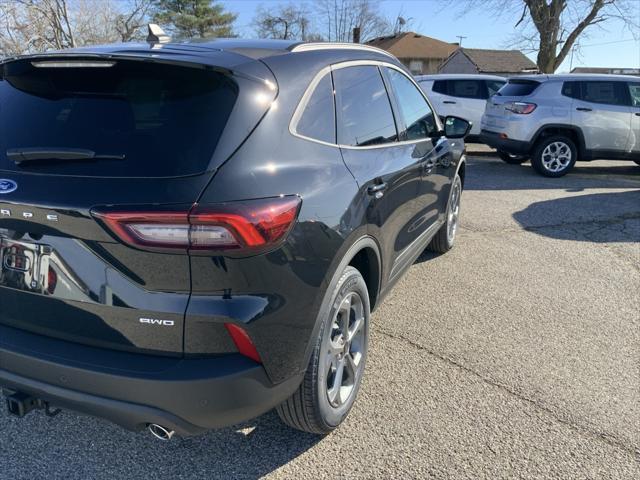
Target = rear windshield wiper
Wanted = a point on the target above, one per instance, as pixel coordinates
(25, 155)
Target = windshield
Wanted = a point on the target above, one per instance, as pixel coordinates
(140, 119)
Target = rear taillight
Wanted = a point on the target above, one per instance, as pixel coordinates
(522, 108)
(249, 227)
(52, 281)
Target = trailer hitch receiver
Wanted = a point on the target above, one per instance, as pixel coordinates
(20, 404)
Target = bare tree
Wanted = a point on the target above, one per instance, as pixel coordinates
(94, 21)
(30, 25)
(53, 15)
(338, 18)
(283, 21)
(128, 24)
(13, 38)
(40, 25)
(551, 28)
(558, 37)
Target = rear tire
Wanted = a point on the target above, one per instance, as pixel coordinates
(554, 156)
(334, 374)
(446, 236)
(512, 159)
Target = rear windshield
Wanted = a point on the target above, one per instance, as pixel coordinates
(518, 88)
(141, 119)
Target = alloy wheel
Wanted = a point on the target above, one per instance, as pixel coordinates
(344, 355)
(454, 212)
(556, 157)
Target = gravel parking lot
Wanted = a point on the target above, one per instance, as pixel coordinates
(515, 355)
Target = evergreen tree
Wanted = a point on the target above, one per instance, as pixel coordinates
(195, 18)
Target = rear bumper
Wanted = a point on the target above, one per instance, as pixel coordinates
(515, 147)
(189, 396)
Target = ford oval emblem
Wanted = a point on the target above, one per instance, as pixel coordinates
(7, 186)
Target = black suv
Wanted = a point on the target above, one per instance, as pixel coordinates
(195, 233)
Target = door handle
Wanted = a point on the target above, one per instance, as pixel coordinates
(377, 190)
(449, 102)
(428, 166)
(637, 114)
(584, 109)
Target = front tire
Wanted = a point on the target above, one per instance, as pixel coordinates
(335, 371)
(554, 156)
(446, 236)
(512, 159)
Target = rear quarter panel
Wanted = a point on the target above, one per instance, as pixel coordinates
(284, 288)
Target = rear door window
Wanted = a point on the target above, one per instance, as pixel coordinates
(440, 86)
(417, 116)
(318, 119)
(363, 108)
(468, 89)
(146, 119)
(493, 86)
(610, 93)
(634, 90)
(518, 88)
(462, 88)
(571, 89)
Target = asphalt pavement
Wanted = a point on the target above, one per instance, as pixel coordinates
(515, 355)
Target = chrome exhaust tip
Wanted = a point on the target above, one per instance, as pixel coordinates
(160, 432)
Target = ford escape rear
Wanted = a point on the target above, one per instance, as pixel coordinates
(193, 234)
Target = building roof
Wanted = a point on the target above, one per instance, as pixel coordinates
(414, 45)
(497, 61)
(565, 77)
(606, 70)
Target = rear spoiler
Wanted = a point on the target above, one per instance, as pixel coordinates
(223, 61)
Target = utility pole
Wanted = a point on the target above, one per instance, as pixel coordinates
(460, 38)
(573, 49)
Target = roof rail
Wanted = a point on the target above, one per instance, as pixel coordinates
(308, 47)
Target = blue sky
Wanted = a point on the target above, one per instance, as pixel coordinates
(609, 46)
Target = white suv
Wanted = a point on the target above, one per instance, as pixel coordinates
(559, 119)
(461, 95)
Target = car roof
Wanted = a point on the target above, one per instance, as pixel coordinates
(200, 50)
(576, 76)
(458, 76)
(226, 53)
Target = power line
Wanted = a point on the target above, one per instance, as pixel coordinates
(609, 43)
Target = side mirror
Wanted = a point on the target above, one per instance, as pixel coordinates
(456, 127)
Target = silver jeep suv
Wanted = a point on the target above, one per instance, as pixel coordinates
(558, 119)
